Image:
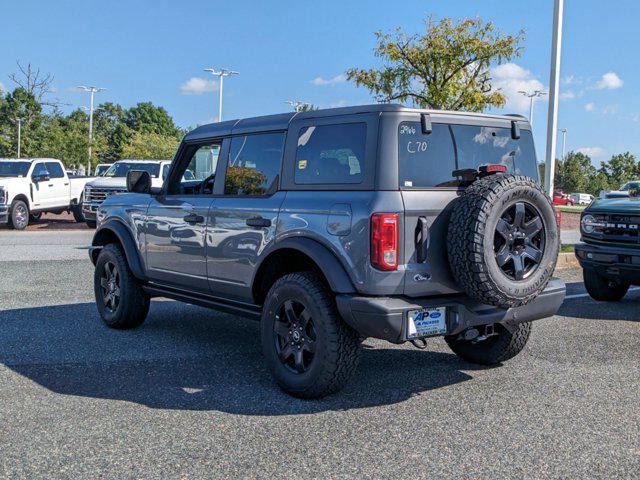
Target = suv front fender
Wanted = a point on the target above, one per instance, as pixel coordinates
(116, 230)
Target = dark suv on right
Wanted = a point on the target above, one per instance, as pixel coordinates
(335, 225)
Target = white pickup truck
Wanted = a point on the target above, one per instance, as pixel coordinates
(31, 187)
(114, 180)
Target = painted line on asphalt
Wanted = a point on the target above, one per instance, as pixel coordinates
(582, 295)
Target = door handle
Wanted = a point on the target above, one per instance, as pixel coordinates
(66, 184)
(258, 222)
(51, 184)
(193, 218)
(421, 239)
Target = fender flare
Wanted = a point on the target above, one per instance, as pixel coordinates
(125, 237)
(332, 269)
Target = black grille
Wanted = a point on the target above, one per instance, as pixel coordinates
(619, 228)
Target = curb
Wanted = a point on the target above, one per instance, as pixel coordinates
(567, 260)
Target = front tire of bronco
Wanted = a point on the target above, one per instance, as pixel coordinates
(310, 351)
(120, 299)
(500, 347)
(603, 289)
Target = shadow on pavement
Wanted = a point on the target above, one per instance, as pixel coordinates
(185, 357)
(585, 307)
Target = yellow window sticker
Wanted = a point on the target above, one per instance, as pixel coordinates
(302, 164)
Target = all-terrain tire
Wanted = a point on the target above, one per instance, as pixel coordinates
(337, 346)
(496, 349)
(603, 289)
(19, 215)
(472, 235)
(132, 307)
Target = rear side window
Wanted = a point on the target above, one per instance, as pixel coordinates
(481, 145)
(331, 154)
(254, 164)
(425, 160)
(55, 170)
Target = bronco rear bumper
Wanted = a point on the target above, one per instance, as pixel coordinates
(386, 317)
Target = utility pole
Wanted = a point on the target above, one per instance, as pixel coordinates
(532, 96)
(92, 90)
(19, 121)
(554, 82)
(564, 142)
(223, 72)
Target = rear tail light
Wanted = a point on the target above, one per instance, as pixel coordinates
(384, 241)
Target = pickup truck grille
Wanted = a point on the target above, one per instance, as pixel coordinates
(621, 228)
(93, 194)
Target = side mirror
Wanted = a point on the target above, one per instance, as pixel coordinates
(138, 181)
(40, 178)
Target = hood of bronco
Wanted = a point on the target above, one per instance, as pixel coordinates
(615, 205)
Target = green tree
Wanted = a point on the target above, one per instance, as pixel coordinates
(573, 174)
(446, 67)
(621, 168)
(109, 125)
(20, 105)
(150, 146)
(147, 118)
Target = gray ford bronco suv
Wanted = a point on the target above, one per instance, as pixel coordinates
(335, 225)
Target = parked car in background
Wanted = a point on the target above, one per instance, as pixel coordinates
(31, 187)
(581, 198)
(101, 169)
(623, 191)
(560, 198)
(114, 181)
(331, 226)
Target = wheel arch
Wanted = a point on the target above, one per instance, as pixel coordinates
(22, 197)
(114, 231)
(298, 254)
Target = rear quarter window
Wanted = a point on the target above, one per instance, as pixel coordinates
(330, 154)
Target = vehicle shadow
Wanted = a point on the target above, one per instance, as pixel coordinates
(585, 307)
(186, 357)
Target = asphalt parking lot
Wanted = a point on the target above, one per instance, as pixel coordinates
(187, 394)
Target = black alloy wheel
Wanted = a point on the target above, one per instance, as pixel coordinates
(519, 241)
(295, 336)
(110, 284)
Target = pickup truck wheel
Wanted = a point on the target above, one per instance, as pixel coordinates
(499, 347)
(503, 240)
(78, 214)
(19, 215)
(35, 217)
(309, 349)
(120, 299)
(91, 223)
(603, 289)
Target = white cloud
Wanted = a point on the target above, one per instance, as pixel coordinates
(319, 81)
(610, 110)
(571, 80)
(567, 95)
(511, 78)
(590, 107)
(593, 152)
(198, 86)
(339, 103)
(609, 81)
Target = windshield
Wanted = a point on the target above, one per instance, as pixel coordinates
(14, 169)
(101, 169)
(630, 185)
(121, 169)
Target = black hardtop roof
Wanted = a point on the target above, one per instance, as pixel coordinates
(281, 121)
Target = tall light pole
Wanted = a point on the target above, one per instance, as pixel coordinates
(92, 90)
(554, 83)
(564, 142)
(532, 96)
(19, 122)
(223, 72)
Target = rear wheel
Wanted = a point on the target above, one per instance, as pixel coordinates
(119, 296)
(35, 217)
(603, 289)
(19, 215)
(311, 352)
(498, 347)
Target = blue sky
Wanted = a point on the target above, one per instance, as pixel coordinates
(298, 50)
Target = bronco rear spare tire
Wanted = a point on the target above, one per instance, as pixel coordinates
(503, 240)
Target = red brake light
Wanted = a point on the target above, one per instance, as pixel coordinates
(494, 168)
(384, 241)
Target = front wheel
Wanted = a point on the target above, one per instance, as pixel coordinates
(120, 299)
(19, 215)
(311, 352)
(78, 214)
(91, 223)
(498, 347)
(603, 289)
